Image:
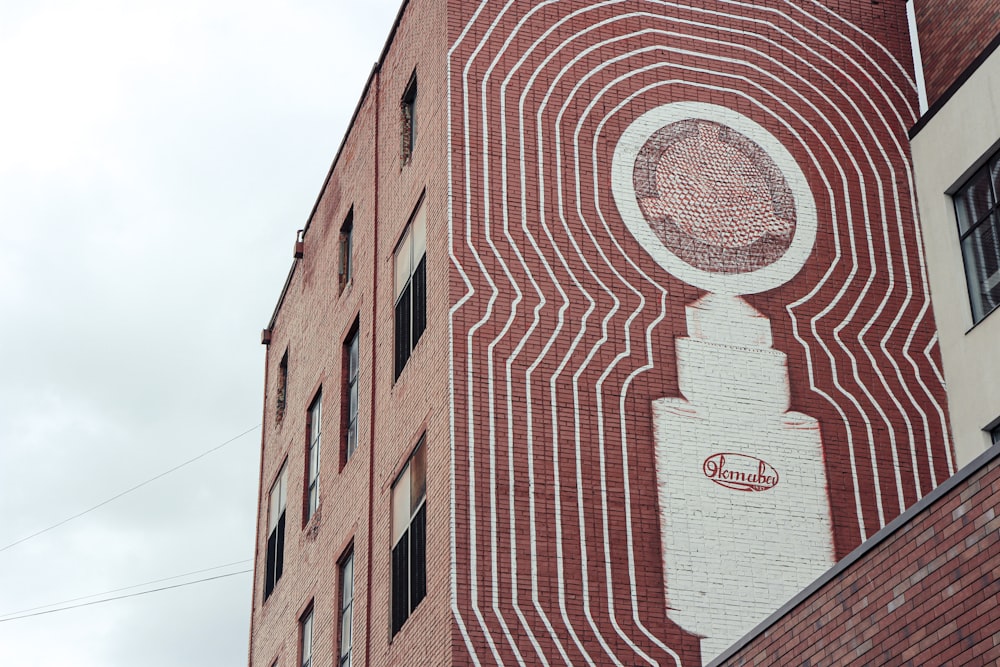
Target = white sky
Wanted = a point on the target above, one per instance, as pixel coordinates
(156, 158)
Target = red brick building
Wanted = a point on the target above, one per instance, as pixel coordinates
(607, 335)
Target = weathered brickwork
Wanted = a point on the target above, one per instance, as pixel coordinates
(925, 595)
(953, 33)
(312, 323)
(671, 402)
(679, 354)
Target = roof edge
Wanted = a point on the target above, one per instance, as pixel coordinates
(376, 67)
(957, 84)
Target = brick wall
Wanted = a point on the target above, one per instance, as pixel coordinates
(598, 390)
(924, 592)
(551, 462)
(312, 323)
(952, 34)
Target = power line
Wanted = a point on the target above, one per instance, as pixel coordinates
(128, 491)
(122, 597)
(124, 588)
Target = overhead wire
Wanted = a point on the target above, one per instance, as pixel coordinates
(122, 597)
(123, 588)
(128, 491)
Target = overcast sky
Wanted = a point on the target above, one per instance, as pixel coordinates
(156, 158)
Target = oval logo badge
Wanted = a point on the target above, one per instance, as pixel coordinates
(740, 472)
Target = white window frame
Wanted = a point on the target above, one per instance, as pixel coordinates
(346, 618)
(977, 209)
(315, 431)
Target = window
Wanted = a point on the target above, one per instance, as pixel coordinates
(411, 287)
(275, 532)
(346, 608)
(306, 629)
(351, 394)
(346, 242)
(408, 121)
(995, 434)
(314, 422)
(409, 538)
(282, 386)
(978, 211)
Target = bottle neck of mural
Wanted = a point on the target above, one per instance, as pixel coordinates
(727, 358)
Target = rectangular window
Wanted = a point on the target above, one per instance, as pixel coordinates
(351, 393)
(282, 387)
(410, 290)
(408, 121)
(314, 422)
(409, 538)
(346, 250)
(306, 629)
(978, 212)
(995, 434)
(275, 532)
(346, 608)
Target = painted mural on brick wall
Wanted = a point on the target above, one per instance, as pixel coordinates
(694, 357)
(722, 205)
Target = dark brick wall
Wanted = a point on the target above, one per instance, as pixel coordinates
(952, 34)
(925, 595)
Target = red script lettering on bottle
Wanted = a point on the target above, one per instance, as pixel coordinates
(740, 472)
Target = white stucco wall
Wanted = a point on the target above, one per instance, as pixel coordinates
(958, 137)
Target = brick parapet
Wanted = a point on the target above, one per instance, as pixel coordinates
(952, 35)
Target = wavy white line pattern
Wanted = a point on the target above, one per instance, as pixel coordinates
(562, 327)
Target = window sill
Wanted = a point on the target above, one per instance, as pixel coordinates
(311, 529)
(985, 317)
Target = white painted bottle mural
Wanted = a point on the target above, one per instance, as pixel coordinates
(721, 204)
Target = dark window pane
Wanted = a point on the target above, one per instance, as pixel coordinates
(995, 175)
(981, 250)
(272, 541)
(279, 559)
(418, 557)
(403, 329)
(400, 582)
(419, 299)
(974, 201)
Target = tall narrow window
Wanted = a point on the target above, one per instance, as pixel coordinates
(306, 629)
(314, 430)
(411, 287)
(282, 387)
(346, 250)
(977, 204)
(275, 532)
(409, 538)
(346, 608)
(351, 394)
(408, 121)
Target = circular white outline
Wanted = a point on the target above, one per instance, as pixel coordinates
(623, 188)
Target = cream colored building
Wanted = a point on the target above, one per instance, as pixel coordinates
(956, 154)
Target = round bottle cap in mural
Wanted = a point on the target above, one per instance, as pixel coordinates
(714, 197)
